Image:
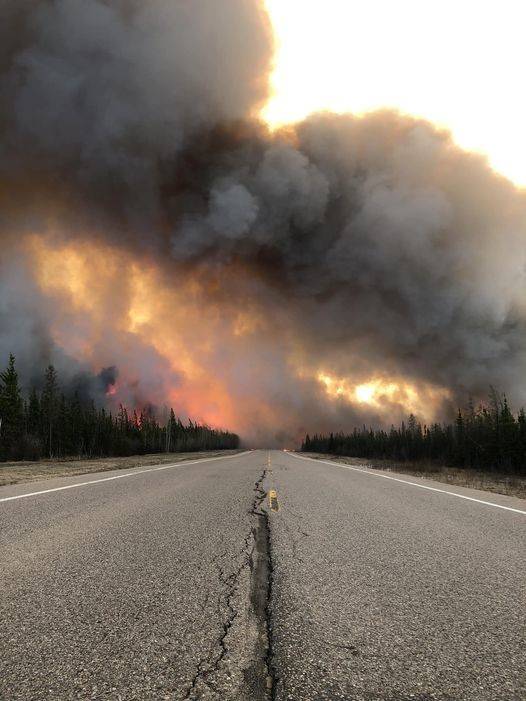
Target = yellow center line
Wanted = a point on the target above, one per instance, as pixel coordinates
(273, 500)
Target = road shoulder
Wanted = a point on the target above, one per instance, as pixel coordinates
(492, 486)
(20, 472)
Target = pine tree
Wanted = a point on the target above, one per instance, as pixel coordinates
(488, 438)
(170, 429)
(508, 427)
(33, 421)
(11, 411)
(49, 409)
(54, 424)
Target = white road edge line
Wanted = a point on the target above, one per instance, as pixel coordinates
(412, 484)
(118, 477)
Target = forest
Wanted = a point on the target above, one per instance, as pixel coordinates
(49, 423)
(489, 437)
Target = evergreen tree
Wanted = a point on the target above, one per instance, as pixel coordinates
(487, 438)
(52, 424)
(49, 409)
(11, 411)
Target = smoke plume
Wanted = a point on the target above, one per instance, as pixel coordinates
(161, 243)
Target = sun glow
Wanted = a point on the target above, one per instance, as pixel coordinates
(459, 65)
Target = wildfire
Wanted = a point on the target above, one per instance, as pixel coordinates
(170, 342)
(380, 393)
(186, 344)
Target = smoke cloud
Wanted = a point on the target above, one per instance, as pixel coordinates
(158, 239)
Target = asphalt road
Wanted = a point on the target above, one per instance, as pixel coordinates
(386, 590)
(184, 583)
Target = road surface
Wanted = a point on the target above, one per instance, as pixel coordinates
(260, 576)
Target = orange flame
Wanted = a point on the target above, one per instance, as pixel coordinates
(191, 339)
(381, 393)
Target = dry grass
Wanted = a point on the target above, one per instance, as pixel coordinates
(15, 472)
(475, 479)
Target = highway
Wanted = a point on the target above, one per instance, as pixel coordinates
(259, 576)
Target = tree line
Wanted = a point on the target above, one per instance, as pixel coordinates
(489, 437)
(50, 424)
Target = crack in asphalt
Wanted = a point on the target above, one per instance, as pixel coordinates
(255, 555)
(342, 646)
(293, 540)
(266, 575)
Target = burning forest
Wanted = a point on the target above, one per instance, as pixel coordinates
(162, 245)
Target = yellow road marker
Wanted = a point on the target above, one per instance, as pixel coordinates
(273, 500)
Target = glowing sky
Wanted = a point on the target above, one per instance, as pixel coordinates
(459, 64)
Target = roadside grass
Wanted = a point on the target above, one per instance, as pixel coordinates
(17, 472)
(499, 483)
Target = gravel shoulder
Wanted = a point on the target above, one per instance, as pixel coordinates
(19, 472)
(496, 482)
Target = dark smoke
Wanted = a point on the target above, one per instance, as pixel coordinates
(372, 244)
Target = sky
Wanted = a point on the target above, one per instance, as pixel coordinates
(458, 64)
